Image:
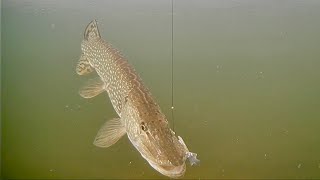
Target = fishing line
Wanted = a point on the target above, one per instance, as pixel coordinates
(172, 74)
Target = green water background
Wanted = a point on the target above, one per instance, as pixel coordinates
(246, 86)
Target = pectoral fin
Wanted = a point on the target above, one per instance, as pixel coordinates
(92, 88)
(110, 133)
(83, 66)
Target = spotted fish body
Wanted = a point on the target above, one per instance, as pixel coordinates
(139, 115)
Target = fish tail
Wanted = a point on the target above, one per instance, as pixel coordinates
(92, 31)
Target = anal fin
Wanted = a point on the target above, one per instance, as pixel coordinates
(83, 66)
(92, 88)
(109, 133)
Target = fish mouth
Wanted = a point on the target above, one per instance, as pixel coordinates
(170, 170)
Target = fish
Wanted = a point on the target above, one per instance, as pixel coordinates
(140, 117)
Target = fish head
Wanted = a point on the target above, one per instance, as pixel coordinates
(149, 132)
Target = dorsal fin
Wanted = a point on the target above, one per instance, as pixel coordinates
(92, 31)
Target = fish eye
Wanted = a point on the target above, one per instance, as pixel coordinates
(143, 126)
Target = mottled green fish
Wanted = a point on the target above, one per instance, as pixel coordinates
(140, 116)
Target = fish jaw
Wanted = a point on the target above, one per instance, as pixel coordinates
(170, 171)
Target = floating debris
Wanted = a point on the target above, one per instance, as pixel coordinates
(237, 140)
(260, 75)
(53, 26)
(222, 172)
(285, 131)
(299, 166)
(72, 107)
(218, 68)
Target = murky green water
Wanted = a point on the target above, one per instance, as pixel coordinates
(246, 79)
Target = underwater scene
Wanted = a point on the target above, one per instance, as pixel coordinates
(149, 89)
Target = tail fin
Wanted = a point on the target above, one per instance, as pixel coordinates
(92, 31)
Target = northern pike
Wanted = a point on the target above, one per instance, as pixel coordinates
(140, 116)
